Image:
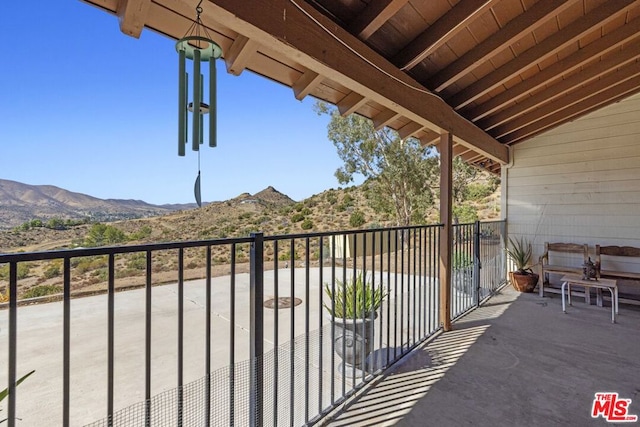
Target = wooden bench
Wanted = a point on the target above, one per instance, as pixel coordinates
(611, 270)
(549, 263)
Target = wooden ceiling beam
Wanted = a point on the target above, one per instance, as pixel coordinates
(524, 23)
(307, 82)
(410, 129)
(132, 15)
(618, 86)
(495, 169)
(297, 30)
(446, 27)
(350, 103)
(597, 48)
(374, 15)
(541, 51)
(484, 164)
(515, 116)
(476, 158)
(469, 157)
(429, 139)
(459, 150)
(383, 118)
(240, 54)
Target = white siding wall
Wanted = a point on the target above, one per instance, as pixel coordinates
(580, 182)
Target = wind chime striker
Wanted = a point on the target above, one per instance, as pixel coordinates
(198, 47)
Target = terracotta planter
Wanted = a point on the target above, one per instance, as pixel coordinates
(523, 282)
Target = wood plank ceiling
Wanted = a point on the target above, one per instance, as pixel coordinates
(492, 72)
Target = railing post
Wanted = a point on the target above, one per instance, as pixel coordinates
(13, 340)
(503, 243)
(256, 332)
(476, 261)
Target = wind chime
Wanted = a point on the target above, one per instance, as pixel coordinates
(197, 46)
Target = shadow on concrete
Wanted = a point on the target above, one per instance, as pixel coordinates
(516, 361)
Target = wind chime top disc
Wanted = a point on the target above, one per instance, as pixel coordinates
(208, 48)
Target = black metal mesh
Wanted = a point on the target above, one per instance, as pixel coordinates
(288, 400)
(164, 407)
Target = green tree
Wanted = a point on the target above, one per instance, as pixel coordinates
(95, 237)
(465, 213)
(400, 173)
(114, 235)
(356, 219)
(56, 224)
(478, 191)
(463, 175)
(142, 233)
(102, 234)
(297, 217)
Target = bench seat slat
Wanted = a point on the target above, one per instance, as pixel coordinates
(561, 269)
(612, 273)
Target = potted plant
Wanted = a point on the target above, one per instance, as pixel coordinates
(353, 308)
(523, 279)
(462, 267)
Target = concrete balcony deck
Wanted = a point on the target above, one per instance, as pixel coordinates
(516, 361)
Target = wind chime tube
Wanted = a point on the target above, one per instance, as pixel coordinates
(213, 103)
(182, 103)
(201, 113)
(185, 110)
(195, 142)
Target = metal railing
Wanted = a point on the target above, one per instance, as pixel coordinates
(228, 332)
(478, 263)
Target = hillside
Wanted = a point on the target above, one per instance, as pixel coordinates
(23, 202)
(268, 211)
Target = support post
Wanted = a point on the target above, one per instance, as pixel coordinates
(446, 240)
(256, 332)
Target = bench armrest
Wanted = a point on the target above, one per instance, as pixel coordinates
(544, 256)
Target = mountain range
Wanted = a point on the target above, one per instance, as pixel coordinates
(20, 203)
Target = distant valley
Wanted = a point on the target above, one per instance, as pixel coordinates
(20, 203)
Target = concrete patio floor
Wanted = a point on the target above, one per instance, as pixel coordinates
(516, 361)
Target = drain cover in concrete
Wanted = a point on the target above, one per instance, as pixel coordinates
(283, 302)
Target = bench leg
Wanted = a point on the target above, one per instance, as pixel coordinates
(587, 295)
(599, 297)
(564, 285)
(613, 305)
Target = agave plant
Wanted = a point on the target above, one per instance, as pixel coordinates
(354, 299)
(520, 253)
(4, 393)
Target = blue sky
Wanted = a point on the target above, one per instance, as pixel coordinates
(88, 109)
